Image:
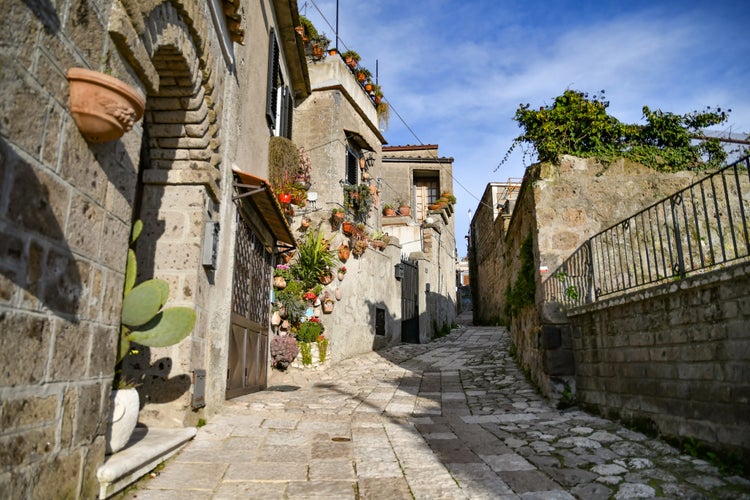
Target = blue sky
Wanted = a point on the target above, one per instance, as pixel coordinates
(455, 71)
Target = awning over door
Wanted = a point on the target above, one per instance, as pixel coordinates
(257, 200)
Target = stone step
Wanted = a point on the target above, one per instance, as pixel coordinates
(146, 449)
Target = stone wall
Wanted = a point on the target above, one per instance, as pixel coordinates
(674, 358)
(560, 206)
(65, 208)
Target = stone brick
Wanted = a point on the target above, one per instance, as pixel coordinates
(85, 28)
(36, 201)
(20, 107)
(24, 343)
(31, 410)
(89, 418)
(69, 351)
(80, 168)
(103, 351)
(64, 281)
(59, 478)
(84, 227)
(559, 362)
(550, 337)
(114, 244)
(67, 417)
(19, 448)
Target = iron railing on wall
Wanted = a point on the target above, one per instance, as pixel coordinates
(697, 229)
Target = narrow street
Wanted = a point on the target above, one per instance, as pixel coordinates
(452, 419)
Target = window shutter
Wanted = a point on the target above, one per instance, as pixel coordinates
(352, 165)
(285, 129)
(273, 79)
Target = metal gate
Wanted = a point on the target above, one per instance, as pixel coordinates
(409, 301)
(251, 289)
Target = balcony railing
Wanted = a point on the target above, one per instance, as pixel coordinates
(700, 228)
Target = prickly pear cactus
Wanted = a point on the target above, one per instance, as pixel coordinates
(143, 318)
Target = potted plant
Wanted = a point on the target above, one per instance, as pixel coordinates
(351, 58)
(363, 74)
(389, 210)
(103, 107)
(280, 275)
(403, 208)
(144, 321)
(337, 217)
(283, 351)
(342, 273)
(379, 240)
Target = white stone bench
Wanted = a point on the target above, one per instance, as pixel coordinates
(146, 449)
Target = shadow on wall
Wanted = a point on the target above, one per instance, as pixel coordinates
(385, 328)
(152, 379)
(46, 13)
(42, 264)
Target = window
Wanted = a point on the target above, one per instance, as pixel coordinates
(279, 104)
(426, 192)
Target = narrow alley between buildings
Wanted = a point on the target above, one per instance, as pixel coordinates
(455, 418)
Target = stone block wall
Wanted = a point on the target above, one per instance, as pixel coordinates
(65, 208)
(674, 358)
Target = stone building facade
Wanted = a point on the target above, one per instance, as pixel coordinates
(67, 207)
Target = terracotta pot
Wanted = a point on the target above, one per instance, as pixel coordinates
(368, 87)
(102, 106)
(333, 52)
(125, 406)
(351, 62)
(389, 212)
(317, 51)
(348, 228)
(344, 252)
(328, 306)
(276, 318)
(341, 276)
(404, 210)
(279, 282)
(326, 278)
(361, 77)
(337, 293)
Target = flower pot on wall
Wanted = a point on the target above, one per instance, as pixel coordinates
(103, 107)
(123, 415)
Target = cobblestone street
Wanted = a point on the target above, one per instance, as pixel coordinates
(455, 418)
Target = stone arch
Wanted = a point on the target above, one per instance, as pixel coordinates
(182, 125)
(179, 190)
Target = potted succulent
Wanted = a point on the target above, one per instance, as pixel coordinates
(351, 58)
(144, 321)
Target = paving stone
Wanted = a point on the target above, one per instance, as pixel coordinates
(629, 490)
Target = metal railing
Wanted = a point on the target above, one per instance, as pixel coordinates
(697, 229)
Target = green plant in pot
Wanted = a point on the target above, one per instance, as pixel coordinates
(144, 321)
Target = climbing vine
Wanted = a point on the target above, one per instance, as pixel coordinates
(523, 291)
(578, 124)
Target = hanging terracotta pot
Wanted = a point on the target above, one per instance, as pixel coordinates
(316, 311)
(102, 106)
(279, 282)
(341, 275)
(337, 293)
(328, 306)
(404, 210)
(344, 252)
(276, 318)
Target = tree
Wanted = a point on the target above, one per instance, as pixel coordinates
(579, 125)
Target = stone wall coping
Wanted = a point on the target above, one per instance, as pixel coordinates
(702, 279)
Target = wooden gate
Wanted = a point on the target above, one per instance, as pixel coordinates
(409, 301)
(251, 289)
